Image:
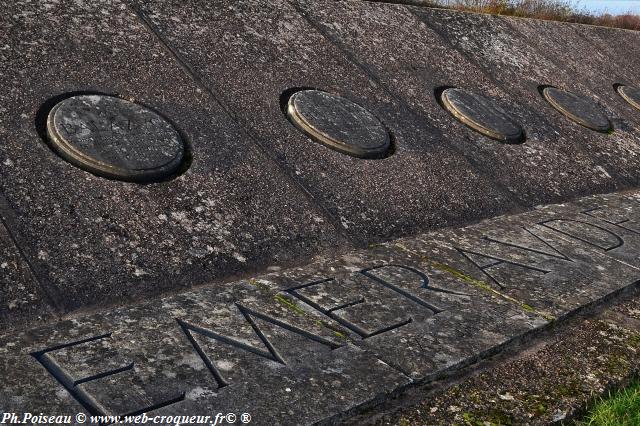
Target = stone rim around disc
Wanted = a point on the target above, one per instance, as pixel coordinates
(630, 94)
(582, 111)
(482, 115)
(115, 138)
(338, 123)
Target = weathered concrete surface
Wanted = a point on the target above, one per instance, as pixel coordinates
(354, 328)
(21, 298)
(555, 380)
(258, 195)
(277, 50)
(548, 258)
(431, 48)
(97, 241)
(523, 54)
(151, 362)
(409, 314)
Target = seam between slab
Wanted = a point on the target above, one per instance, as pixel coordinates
(509, 22)
(351, 57)
(621, 183)
(255, 140)
(499, 84)
(46, 288)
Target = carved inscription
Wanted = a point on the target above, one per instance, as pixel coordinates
(93, 347)
(243, 337)
(485, 262)
(87, 122)
(588, 233)
(324, 296)
(613, 218)
(406, 293)
(332, 310)
(537, 248)
(269, 351)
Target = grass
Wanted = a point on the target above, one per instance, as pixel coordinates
(554, 10)
(619, 408)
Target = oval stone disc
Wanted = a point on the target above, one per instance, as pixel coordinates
(580, 110)
(338, 123)
(482, 115)
(114, 138)
(630, 94)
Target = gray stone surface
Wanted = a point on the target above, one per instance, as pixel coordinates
(352, 328)
(630, 94)
(96, 241)
(482, 115)
(277, 51)
(578, 109)
(22, 301)
(552, 380)
(548, 259)
(338, 123)
(239, 350)
(616, 216)
(299, 344)
(114, 138)
(579, 70)
(411, 315)
(433, 48)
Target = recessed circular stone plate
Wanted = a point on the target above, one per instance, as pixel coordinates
(580, 110)
(338, 123)
(482, 115)
(630, 94)
(114, 138)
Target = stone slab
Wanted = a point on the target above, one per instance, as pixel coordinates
(623, 46)
(549, 383)
(255, 347)
(412, 316)
(591, 67)
(548, 259)
(305, 344)
(616, 216)
(278, 51)
(433, 49)
(93, 240)
(605, 55)
(239, 350)
(353, 328)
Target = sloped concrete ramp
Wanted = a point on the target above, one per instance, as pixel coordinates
(262, 254)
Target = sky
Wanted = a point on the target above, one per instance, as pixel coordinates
(612, 6)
